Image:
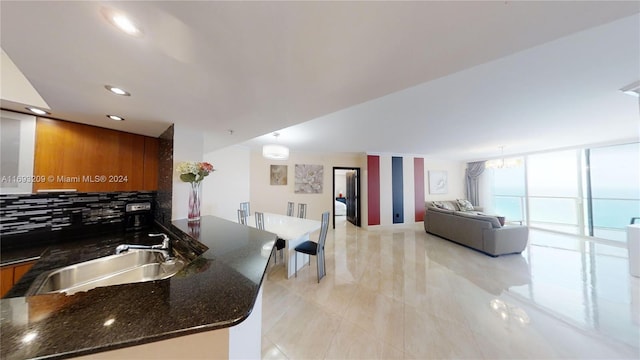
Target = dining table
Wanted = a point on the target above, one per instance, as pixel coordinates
(293, 231)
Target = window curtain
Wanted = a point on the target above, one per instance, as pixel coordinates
(472, 180)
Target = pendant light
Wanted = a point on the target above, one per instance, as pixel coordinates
(502, 162)
(275, 151)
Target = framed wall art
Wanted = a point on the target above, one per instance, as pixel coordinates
(309, 179)
(278, 175)
(438, 183)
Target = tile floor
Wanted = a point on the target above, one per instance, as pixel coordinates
(399, 293)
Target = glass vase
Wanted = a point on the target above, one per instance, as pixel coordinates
(195, 196)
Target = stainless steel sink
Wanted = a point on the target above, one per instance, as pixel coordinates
(130, 267)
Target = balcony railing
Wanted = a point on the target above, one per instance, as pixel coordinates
(569, 214)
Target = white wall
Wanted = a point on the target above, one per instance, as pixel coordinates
(341, 182)
(24, 151)
(408, 185)
(244, 175)
(16, 87)
(273, 198)
(386, 188)
(455, 175)
(456, 189)
(187, 146)
(229, 184)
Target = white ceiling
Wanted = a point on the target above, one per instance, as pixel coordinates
(443, 79)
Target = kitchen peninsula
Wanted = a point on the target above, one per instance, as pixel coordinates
(212, 308)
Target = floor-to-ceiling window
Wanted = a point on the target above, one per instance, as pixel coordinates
(509, 193)
(592, 191)
(615, 190)
(553, 181)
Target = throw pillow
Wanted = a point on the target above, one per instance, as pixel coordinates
(449, 205)
(438, 204)
(465, 205)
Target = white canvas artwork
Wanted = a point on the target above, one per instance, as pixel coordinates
(438, 182)
(309, 179)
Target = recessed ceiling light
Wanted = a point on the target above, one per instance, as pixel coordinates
(115, 117)
(121, 21)
(125, 24)
(37, 111)
(117, 90)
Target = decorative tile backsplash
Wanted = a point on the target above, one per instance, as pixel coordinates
(31, 214)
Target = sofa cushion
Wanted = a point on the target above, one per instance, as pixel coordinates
(468, 212)
(441, 210)
(447, 205)
(465, 205)
(492, 219)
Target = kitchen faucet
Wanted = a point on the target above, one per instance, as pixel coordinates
(165, 247)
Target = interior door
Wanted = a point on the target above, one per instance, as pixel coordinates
(352, 198)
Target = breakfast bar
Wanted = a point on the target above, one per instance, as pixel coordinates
(215, 301)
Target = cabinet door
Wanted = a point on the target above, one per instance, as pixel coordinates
(6, 279)
(89, 158)
(20, 270)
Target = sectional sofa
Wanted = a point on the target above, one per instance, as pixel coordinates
(464, 224)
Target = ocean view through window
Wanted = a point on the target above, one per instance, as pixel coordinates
(615, 189)
(591, 192)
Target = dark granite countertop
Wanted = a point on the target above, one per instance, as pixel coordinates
(216, 290)
(21, 255)
(54, 255)
(29, 248)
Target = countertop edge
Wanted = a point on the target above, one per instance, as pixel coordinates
(142, 340)
(245, 312)
(176, 232)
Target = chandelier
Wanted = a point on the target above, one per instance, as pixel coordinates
(275, 151)
(502, 163)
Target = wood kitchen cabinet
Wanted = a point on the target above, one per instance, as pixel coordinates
(6, 279)
(11, 274)
(93, 159)
(151, 161)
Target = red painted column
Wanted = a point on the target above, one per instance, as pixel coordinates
(373, 189)
(418, 180)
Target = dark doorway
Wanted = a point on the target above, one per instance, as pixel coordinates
(346, 193)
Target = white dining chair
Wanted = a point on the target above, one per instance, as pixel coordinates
(259, 220)
(290, 207)
(302, 211)
(279, 243)
(242, 217)
(245, 206)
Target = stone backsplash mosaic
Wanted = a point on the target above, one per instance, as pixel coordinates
(31, 214)
(162, 212)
